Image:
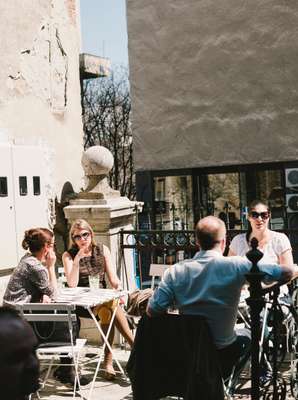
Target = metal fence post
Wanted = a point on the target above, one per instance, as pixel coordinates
(256, 303)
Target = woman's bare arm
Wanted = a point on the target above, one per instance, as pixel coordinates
(112, 277)
(286, 258)
(71, 268)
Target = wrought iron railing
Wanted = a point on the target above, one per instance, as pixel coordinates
(171, 246)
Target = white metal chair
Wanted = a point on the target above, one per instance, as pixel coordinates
(62, 281)
(50, 351)
(157, 271)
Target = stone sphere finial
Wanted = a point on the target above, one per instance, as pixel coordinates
(97, 160)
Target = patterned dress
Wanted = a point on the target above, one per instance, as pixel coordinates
(91, 265)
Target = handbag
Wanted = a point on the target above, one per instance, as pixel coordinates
(137, 302)
(51, 331)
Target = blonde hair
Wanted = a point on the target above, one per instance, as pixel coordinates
(80, 224)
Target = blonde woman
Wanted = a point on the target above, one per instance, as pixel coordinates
(84, 258)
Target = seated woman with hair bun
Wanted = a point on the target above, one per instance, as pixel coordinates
(34, 279)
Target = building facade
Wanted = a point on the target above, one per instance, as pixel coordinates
(215, 108)
(41, 133)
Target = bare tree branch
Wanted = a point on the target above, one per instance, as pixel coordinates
(106, 108)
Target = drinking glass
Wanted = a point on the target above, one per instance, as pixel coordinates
(93, 281)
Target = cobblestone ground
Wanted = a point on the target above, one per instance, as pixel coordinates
(120, 388)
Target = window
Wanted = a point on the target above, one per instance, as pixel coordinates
(173, 202)
(23, 185)
(159, 184)
(3, 186)
(36, 185)
(269, 187)
(222, 198)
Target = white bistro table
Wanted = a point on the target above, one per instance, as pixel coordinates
(88, 298)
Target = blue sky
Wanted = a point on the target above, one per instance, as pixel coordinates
(104, 31)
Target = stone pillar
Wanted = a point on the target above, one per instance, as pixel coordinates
(105, 210)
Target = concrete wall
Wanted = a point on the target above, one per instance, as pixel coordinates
(39, 82)
(213, 82)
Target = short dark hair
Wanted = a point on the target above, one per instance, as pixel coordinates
(209, 235)
(207, 240)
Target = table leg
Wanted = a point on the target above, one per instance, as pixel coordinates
(106, 343)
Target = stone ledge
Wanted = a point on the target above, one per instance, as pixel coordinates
(93, 66)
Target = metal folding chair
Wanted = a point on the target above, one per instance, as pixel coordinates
(51, 351)
(157, 271)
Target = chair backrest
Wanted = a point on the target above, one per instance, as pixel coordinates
(61, 277)
(58, 312)
(157, 270)
(190, 370)
(48, 314)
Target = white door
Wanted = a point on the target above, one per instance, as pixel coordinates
(8, 239)
(30, 197)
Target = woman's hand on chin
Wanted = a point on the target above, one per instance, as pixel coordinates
(46, 299)
(50, 259)
(83, 252)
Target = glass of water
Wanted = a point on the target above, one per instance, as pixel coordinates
(93, 281)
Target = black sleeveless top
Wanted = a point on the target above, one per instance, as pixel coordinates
(90, 265)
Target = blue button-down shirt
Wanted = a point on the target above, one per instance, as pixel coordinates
(208, 285)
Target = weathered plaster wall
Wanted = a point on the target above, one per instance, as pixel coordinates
(39, 81)
(213, 82)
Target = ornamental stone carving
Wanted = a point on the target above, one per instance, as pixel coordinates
(97, 162)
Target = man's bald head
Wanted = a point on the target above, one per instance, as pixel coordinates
(210, 232)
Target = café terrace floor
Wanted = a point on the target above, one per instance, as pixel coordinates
(120, 388)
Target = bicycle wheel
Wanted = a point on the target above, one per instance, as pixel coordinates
(293, 347)
(294, 380)
(276, 344)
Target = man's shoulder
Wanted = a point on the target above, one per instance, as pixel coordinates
(182, 266)
(179, 266)
(185, 262)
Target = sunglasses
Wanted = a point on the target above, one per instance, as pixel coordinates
(84, 236)
(264, 215)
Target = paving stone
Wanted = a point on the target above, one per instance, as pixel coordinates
(120, 388)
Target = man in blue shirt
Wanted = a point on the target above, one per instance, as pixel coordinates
(210, 285)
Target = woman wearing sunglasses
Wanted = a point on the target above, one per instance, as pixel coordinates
(275, 245)
(85, 258)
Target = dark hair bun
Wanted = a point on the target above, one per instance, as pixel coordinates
(36, 238)
(26, 240)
